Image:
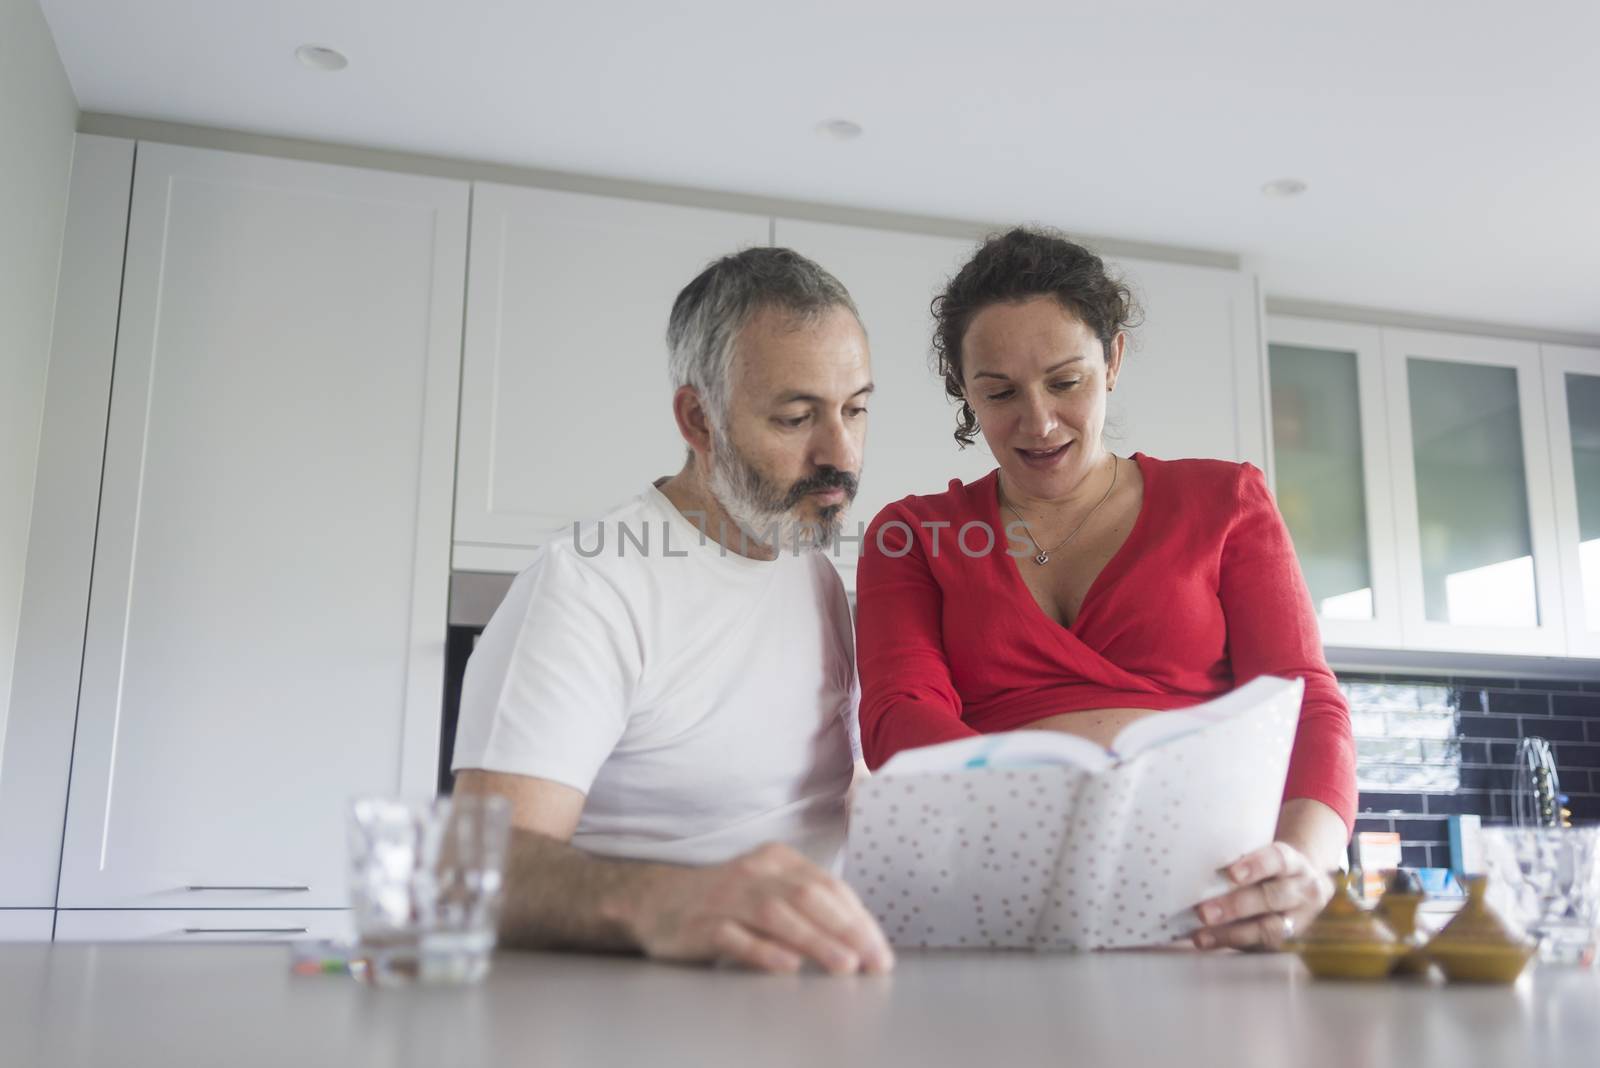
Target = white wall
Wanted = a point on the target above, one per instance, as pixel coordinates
(38, 114)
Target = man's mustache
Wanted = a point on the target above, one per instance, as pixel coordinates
(828, 478)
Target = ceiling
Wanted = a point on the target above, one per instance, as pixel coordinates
(1452, 150)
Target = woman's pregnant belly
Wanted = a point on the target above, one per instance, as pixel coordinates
(1099, 725)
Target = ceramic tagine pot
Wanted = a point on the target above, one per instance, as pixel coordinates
(1398, 910)
(1478, 946)
(1346, 941)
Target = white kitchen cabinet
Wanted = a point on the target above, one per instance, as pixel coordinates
(1415, 470)
(1572, 398)
(1475, 518)
(1191, 381)
(267, 619)
(37, 738)
(1331, 467)
(566, 403)
(26, 925)
(193, 926)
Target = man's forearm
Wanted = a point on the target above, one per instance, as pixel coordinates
(559, 897)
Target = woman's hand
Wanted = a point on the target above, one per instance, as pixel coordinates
(1277, 891)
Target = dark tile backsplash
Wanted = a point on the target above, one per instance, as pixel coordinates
(1429, 748)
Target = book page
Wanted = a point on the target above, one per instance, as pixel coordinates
(1143, 734)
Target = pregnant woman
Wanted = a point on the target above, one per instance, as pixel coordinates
(1073, 589)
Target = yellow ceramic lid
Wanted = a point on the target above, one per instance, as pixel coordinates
(1477, 926)
(1344, 922)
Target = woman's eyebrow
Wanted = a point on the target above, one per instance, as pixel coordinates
(1048, 370)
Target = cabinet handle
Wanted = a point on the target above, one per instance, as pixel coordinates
(284, 889)
(244, 930)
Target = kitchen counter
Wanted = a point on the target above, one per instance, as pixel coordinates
(153, 1005)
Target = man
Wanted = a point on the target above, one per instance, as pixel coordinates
(667, 697)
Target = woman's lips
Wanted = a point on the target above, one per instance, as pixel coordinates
(1043, 459)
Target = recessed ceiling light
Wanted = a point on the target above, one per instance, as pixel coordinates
(318, 57)
(1284, 187)
(839, 129)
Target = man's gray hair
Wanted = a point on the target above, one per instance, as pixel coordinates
(712, 309)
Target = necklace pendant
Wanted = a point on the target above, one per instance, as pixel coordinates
(1042, 559)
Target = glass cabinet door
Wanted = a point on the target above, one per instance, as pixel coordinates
(1472, 494)
(1328, 452)
(1476, 521)
(1572, 391)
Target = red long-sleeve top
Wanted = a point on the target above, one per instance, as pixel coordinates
(1204, 596)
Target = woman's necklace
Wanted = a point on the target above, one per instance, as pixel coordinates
(1044, 554)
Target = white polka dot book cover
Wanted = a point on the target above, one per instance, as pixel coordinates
(1044, 840)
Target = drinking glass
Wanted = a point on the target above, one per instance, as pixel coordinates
(1547, 880)
(425, 881)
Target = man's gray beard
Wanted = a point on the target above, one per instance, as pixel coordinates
(757, 506)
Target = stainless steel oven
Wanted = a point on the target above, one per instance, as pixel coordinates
(474, 595)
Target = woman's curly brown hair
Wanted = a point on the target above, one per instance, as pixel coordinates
(1014, 266)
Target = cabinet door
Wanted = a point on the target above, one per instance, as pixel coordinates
(200, 925)
(1475, 518)
(36, 740)
(1572, 393)
(267, 616)
(1191, 382)
(26, 925)
(566, 407)
(892, 277)
(1330, 463)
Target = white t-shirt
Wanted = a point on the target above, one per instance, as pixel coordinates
(704, 702)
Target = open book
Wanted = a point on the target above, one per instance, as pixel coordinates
(1042, 839)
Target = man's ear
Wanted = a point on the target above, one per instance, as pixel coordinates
(694, 422)
(1114, 360)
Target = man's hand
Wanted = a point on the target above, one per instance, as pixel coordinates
(770, 909)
